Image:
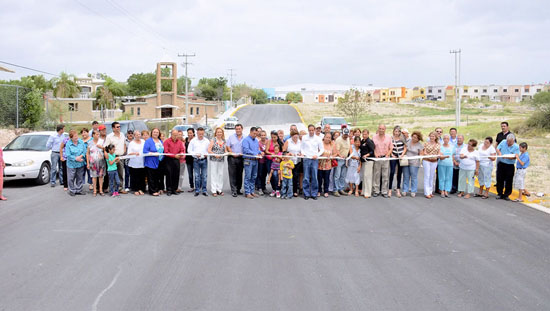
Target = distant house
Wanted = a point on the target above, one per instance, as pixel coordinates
(435, 93)
(418, 93)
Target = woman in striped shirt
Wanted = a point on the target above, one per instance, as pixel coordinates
(398, 150)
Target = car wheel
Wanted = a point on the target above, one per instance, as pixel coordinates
(44, 174)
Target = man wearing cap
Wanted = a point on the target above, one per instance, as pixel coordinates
(117, 139)
(406, 134)
(342, 146)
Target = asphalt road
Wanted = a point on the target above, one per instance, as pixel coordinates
(269, 114)
(187, 253)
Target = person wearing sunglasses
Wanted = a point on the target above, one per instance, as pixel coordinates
(117, 139)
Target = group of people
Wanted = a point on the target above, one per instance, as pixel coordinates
(313, 164)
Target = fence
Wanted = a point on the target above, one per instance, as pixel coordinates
(12, 105)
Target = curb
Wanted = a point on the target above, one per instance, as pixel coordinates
(299, 112)
(515, 194)
(236, 109)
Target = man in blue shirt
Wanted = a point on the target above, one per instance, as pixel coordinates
(54, 143)
(505, 166)
(235, 162)
(251, 151)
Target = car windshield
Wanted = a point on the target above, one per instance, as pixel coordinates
(182, 128)
(28, 142)
(335, 121)
(123, 128)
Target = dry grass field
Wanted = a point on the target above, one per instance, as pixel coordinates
(478, 121)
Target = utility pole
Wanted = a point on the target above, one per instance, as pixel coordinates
(231, 75)
(186, 91)
(457, 54)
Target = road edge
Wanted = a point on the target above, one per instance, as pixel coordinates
(299, 112)
(232, 113)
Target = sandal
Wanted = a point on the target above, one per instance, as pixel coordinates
(3, 198)
(215, 194)
(95, 194)
(102, 194)
(156, 194)
(485, 197)
(477, 195)
(517, 200)
(221, 193)
(460, 195)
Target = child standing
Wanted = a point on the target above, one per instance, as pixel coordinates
(354, 166)
(274, 173)
(285, 177)
(522, 164)
(112, 160)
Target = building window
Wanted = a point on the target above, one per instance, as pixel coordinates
(526, 90)
(198, 111)
(516, 90)
(504, 90)
(73, 106)
(132, 111)
(191, 111)
(139, 111)
(439, 91)
(422, 92)
(476, 91)
(495, 90)
(465, 90)
(538, 90)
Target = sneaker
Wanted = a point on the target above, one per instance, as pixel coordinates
(413, 195)
(52, 185)
(404, 194)
(71, 193)
(127, 189)
(342, 192)
(336, 194)
(272, 194)
(278, 194)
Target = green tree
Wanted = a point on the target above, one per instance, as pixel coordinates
(259, 96)
(241, 90)
(140, 84)
(181, 85)
(541, 117)
(32, 108)
(294, 97)
(65, 86)
(354, 104)
(212, 88)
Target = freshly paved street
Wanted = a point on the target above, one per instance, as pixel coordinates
(187, 253)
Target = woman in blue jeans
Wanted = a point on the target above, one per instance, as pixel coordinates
(410, 172)
(445, 167)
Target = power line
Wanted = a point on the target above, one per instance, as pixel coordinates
(28, 68)
(186, 91)
(138, 22)
(114, 23)
(457, 83)
(231, 75)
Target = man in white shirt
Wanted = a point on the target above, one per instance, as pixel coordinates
(199, 147)
(117, 139)
(312, 148)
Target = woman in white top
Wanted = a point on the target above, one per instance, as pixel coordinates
(293, 147)
(486, 158)
(469, 166)
(137, 170)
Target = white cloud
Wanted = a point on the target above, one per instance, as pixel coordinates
(284, 42)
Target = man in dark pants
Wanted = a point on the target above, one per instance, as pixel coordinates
(235, 162)
(456, 162)
(506, 166)
(189, 159)
(500, 137)
(172, 162)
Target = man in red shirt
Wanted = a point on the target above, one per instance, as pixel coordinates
(174, 146)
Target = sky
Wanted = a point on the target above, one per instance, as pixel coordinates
(284, 42)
